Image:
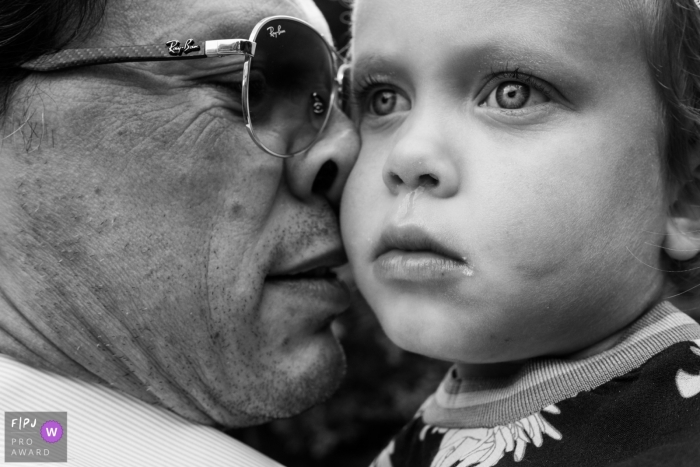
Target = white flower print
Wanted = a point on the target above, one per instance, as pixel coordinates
(689, 385)
(485, 447)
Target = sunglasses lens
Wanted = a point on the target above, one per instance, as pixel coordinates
(290, 86)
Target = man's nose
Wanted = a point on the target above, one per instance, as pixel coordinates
(324, 169)
(421, 157)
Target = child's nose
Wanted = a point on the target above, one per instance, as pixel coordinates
(420, 161)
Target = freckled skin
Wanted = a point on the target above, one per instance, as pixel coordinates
(135, 247)
(555, 211)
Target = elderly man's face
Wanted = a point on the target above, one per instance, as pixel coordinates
(151, 241)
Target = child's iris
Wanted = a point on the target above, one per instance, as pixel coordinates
(383, 102)
(512, 95)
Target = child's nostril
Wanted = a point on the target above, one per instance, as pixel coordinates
(428, 181)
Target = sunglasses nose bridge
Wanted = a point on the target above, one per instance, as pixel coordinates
(340, 76)
(342, 81)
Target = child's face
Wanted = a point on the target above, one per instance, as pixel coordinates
(509, 198)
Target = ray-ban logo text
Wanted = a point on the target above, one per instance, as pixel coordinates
(274, 33)
(175, 48)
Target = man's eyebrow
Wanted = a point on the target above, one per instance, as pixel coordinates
(236, 24)
(221, 27)
(229, 31)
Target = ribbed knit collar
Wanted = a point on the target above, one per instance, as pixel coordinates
(487, 402)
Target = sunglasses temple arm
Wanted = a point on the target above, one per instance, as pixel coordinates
(172, 50)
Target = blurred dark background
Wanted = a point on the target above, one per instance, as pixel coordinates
(383, 388)
(337, 13)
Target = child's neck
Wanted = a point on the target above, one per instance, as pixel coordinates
(505, 369)
(488, 370)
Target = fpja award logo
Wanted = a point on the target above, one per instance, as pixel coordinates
(36, 437)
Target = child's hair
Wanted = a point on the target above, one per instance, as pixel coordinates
(670, 30)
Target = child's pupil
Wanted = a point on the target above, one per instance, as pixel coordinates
(512, 95)
(384, 102)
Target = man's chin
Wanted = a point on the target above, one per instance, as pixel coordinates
(300, 381)
(315, 384)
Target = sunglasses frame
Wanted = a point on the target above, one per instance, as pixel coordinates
(173, 50)
(336, 85)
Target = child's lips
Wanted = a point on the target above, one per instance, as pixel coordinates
(419, 266)
(409, 253)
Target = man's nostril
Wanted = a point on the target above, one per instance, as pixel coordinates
(325, 178)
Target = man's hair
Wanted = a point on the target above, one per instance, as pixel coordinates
(31, 28)
(670, 30)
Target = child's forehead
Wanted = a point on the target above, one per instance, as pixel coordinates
(446, 11)
(600, 26)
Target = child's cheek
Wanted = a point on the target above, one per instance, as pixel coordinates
(360, 214)
(530, 230)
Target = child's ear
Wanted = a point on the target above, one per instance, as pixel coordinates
(682, 238)
(682, 241)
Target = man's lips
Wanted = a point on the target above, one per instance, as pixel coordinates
(319, 266)
(309, 282)
(411, 254)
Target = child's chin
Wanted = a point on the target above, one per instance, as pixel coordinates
(457, 346)
(419, 341)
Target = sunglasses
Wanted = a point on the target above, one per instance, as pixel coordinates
(292, 77)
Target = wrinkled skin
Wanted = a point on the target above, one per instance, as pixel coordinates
(138, 224)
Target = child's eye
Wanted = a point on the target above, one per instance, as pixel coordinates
(513, 95)
(387, 101)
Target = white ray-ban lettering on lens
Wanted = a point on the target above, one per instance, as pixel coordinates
(274, 33)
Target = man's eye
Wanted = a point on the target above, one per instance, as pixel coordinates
(512, 95)
(257, 90)
(386, 101)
